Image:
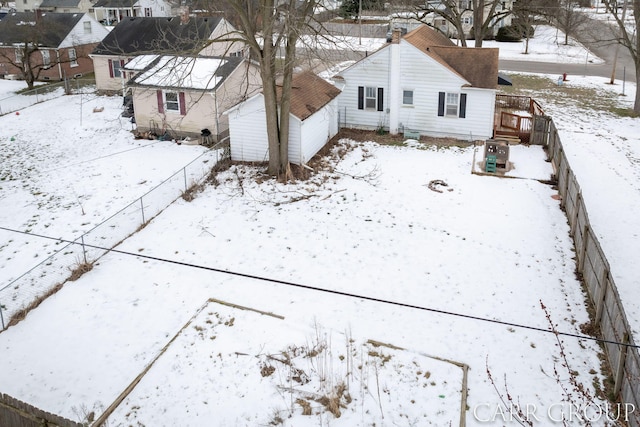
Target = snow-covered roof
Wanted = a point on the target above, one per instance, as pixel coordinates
(140, 62)
(184, 72)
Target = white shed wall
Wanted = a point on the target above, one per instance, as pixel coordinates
(248, 132)
(318, 129)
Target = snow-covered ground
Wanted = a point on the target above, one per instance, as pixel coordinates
(364, 250)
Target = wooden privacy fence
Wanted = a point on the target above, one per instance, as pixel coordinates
(15, 413)
(592, 264)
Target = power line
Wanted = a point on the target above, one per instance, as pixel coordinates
(329, 291)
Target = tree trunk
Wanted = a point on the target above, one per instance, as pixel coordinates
(284, 170)
(268, 74)
(636, 103)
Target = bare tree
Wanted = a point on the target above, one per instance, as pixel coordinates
(628, 35)
(483, 13)
(565, 16)
(29, 55)
(525, 17)
(271, 29)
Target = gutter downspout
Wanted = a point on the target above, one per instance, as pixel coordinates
(59, 65)
(394, 81)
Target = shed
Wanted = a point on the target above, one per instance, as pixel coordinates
(314, 120)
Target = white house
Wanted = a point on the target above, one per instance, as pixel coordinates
(314, 120)
(423, 83)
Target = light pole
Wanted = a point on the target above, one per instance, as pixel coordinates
(360, 20)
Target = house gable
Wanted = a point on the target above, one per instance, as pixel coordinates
(409, 85)
(86, 31)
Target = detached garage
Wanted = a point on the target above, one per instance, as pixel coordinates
(314, 120)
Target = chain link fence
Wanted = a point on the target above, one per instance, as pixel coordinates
(41, 93)
(74, 257)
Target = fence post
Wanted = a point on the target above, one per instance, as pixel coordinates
(1, 317)
(583, 250)
(621, 360)
(600, 299)
(84, 250)
(184, 173)
(142, 209)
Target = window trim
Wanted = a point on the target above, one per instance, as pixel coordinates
(163, 104)
(461, 105)
(451, 104)
(364, 96)
(46, 58)
(87, 27)
(408, 104)
(167, 103)
(116, 72)
(19, 55)
(73, 57)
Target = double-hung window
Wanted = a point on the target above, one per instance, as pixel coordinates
(73, 58)
(407, 97)
(452, 104)
(171, 102)
(370, 98)
(46, 59)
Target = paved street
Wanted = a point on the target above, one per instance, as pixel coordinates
(598, 37)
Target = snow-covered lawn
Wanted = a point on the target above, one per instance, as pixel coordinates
(256, 302)
(65, 168)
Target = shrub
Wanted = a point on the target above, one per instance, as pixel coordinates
(508, 34)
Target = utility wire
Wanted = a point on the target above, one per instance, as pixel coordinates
(330, 291)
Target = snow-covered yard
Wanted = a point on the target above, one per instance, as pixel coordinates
(358, 292)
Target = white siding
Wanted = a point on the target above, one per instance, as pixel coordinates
(426, 78)
(219, 47)
(248, 132)
(318, 129)
(77, 36)
(372, 71)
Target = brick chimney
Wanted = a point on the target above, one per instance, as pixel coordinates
(396, 35)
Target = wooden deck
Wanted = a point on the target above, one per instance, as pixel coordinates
(513, 119)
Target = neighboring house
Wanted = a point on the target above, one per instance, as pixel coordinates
(422, 83)
(465, 8)
(167, 35)
(184, 95)
(314, 120)
(66, 6)
(113, 11)
(63, 41)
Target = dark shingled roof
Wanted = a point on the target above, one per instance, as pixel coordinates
(59, 3)
(115, 3)
(479, 66)
(50, 28)
(141, 35)
(309, 93)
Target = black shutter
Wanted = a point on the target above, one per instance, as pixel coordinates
(360, 97)
(380, 99)
(463, 105)
(441, 96)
